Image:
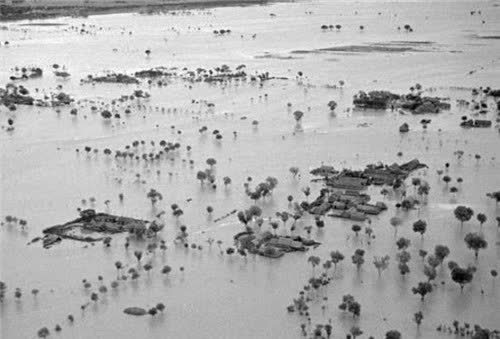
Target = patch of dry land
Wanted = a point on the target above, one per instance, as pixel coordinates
(310, 169)
(38, 9)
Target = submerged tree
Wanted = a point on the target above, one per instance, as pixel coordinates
(441, 252)
(118, 266)
(319, 223)
(328, 330)
(416, 182)
(463, 276)
(463, 214)
(433, 261)
(138, 255)
(393, 334)
(355, 331)
(294, 170)
(298, 115)
(403, 256)
(154, 196)
(358, 258)
(356, 229)
(274, 226)
(148, 267)
(381, 263)
(242, 218)
(423, 189)
(494, 273)
(351, 305)
(495, 196)
(211, 162)
(139, 230)
(307, 191)
(283, 216)
(396, 222)
(447, 179)
(43, 332)
(156, 227)
(314, 261)
(166, 269)
(422, 288)
(368, 232)
(403, 268)
(430, 272)
(475, 242)
(3, 288)
(418, 317)
(481, 217)
(422, 254)
(403, 243)
(336, 257)
(452, 265)
(248, 215)
(420, 226)
(201, 176)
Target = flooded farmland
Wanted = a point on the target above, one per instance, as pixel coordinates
(197, 125)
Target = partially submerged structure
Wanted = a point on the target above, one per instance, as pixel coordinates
(477, 123)
(163, 75)
(270, 245)
(373, 174)
(342, 197)
(92, 227)
(27, 73)
(413, 102)
(15, 95)
(494, 195)
(346, 204)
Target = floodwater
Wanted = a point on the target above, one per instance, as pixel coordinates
(43, 179)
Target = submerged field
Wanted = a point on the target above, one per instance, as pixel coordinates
(44, 179)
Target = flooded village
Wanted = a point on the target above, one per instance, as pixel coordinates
(251, 169)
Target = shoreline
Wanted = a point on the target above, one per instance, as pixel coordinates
(10, 13)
